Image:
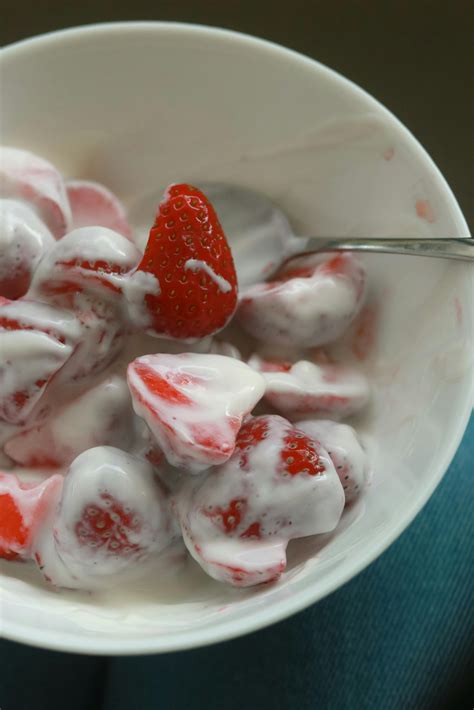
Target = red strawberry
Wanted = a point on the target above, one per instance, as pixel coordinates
(112, 516)
(35, 343)
(27, 177)
(106, 419)
(193, 404)
(308, 304)
(306, 388)
(23, 241)
(23, 507)
(91, 261)
(347, 454)
(189, 255)
(278, 485)
(94, 205)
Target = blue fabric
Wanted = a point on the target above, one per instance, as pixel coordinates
(399, 636)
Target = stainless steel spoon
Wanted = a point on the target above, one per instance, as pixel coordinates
(262, 239)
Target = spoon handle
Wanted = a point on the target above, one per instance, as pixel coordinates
(460, 249)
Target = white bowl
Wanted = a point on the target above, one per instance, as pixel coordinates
(139, 105)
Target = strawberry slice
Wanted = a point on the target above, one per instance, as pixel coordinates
(88, 261)
(23, 241)
(27, 177)
(308, 304)
(92, 205)
(193, 404)
(105, 418)
(306, 389)
(189, 255)
(23, 507)
(278, 485)
(112, 518)
(348, 456)
(35, 343)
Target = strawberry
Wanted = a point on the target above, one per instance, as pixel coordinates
(23, 507)
(106, 419)
(279, 484)
(27, 177)
(189, 255)
(36, 341)
(308, 304)
(348, 456)
(112, 517)
(87, 261)
(305, 388)
(23, 241)
(193, 404)
(94, 205)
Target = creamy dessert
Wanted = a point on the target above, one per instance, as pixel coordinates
(139, 421)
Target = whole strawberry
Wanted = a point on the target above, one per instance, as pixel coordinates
(189, 255)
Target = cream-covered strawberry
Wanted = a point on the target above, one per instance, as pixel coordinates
(36, 341)
(278, 485)
(33, 180)
(111, 520)
(304, 388)
(194, 404)
(24, 239)
(90, 261)
(309, 303)
(346, 452)
(101, 415)
(94, 205)
(23, 510)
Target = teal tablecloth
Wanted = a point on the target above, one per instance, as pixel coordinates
(398, 637)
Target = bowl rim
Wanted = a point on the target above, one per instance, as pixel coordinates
(299, 600)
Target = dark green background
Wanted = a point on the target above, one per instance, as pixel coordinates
(413, 55)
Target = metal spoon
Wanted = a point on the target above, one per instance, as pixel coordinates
(262, 239)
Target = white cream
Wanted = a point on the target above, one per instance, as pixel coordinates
(197, 265)
(198, 428)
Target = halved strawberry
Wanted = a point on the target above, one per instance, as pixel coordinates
(278, 485)
(23, 241)
(105, 418)
(94, 205)
(27, 177)
(112, 517)
(345, 450)
(35, 343)
(189, 255)
(305, 388)
(311, 302)
(193, 404)
(23, 507)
